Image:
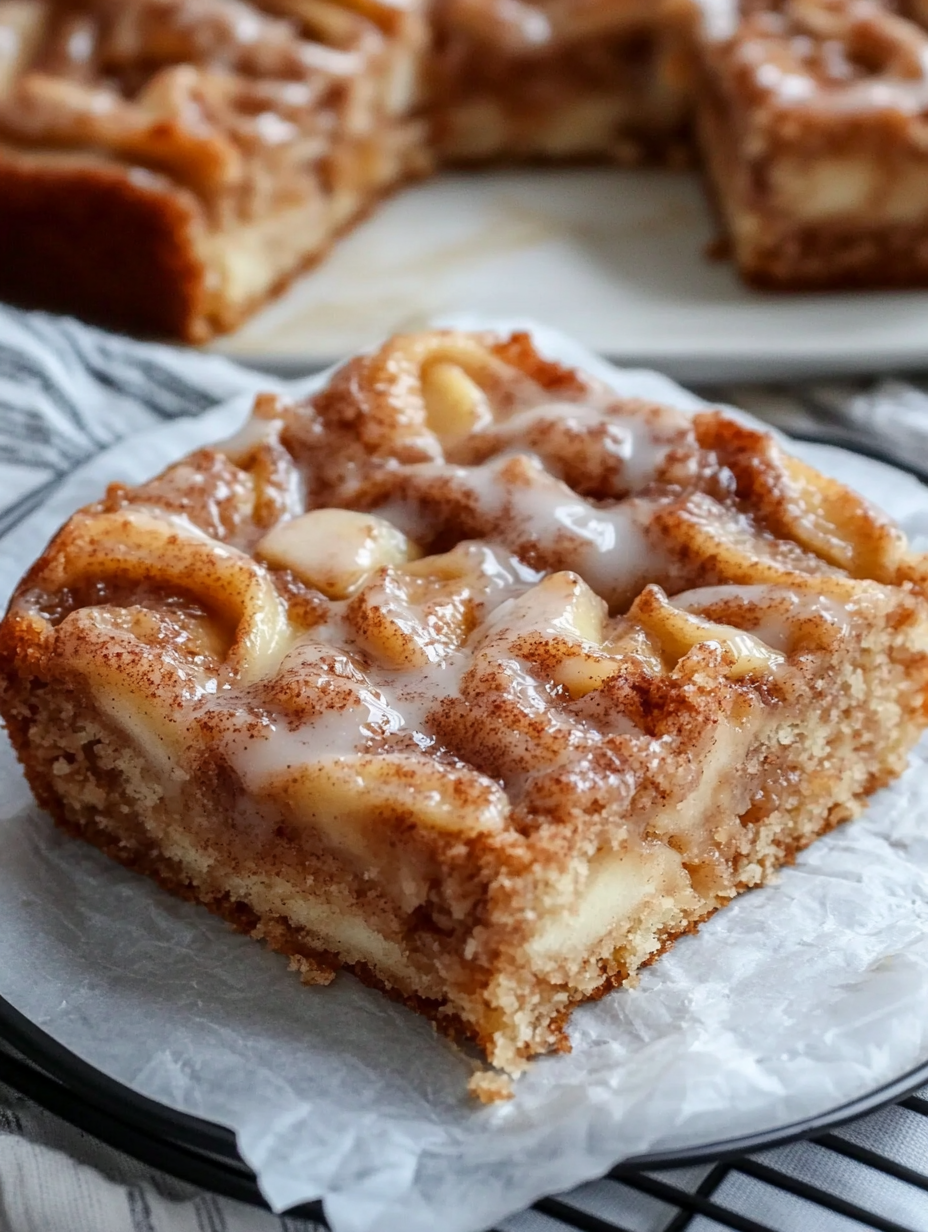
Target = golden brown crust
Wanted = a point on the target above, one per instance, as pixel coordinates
(851, 259)
(83, 240)
(98, 241)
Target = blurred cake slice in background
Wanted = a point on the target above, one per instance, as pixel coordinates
(813, 123)
(166, 165)
(555, 79)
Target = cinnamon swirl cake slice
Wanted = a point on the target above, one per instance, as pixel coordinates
(470, 676)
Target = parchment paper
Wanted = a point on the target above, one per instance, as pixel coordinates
(794, 999)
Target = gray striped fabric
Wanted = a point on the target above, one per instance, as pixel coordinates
(56, 1179)
(67, 392)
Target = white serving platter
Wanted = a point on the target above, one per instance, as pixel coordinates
(615, 258)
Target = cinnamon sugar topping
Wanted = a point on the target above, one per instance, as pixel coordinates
(485, 612)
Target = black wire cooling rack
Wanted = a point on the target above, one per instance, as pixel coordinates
(757, 1193)
(869, 1172)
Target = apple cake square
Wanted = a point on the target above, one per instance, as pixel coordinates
(813, 122)
(470, 676)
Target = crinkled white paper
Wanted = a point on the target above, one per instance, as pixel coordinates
(794, 999)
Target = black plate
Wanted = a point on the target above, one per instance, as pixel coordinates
(869, 449)
(204, 1154)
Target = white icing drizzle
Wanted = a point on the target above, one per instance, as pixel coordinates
(401, 662)
(385, 704)
(529, 25)
(777, 57)
(639, 443)
(720, 18)
(357, 704)
(525, 505)
(788, 87)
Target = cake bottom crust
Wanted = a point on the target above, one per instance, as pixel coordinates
(840, 259)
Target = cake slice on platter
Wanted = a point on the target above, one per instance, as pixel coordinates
(813, 123)
(167, 166)
(469, 675)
